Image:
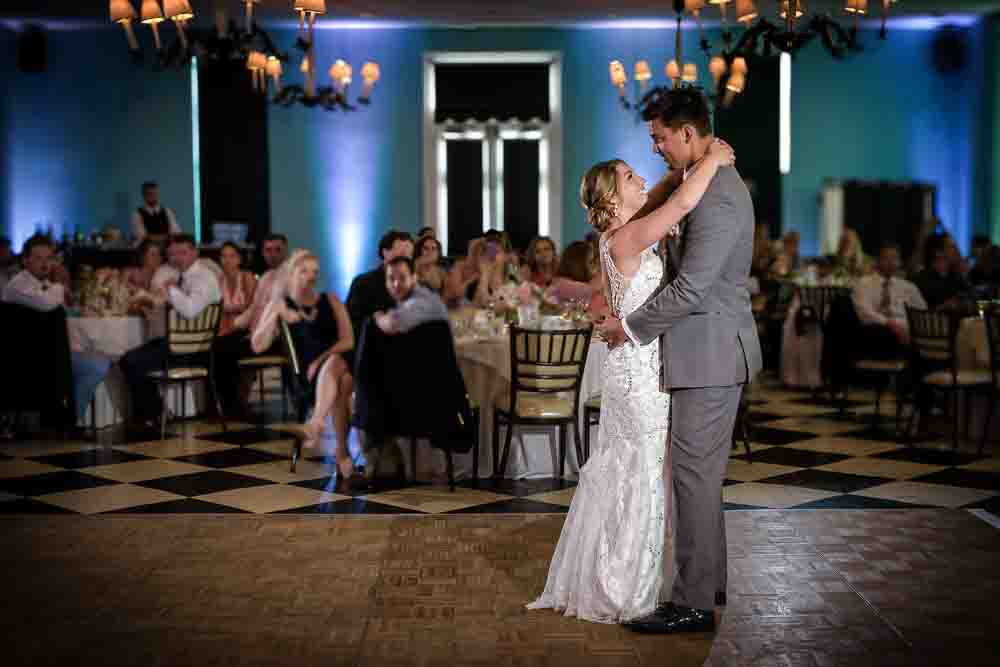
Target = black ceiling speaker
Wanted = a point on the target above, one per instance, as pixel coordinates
(31, 50)
(949, 50)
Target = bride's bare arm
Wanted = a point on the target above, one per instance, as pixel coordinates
(659, 193)
(643, 232)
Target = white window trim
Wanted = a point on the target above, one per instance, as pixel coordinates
(435, 191)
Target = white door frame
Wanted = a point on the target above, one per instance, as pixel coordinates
(435, 213)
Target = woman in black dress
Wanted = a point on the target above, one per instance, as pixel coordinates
(321, 330)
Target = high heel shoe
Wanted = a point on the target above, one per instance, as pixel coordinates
(345, 468)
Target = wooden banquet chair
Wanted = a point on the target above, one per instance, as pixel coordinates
(546, 377)
(190, 357)
(934, 333)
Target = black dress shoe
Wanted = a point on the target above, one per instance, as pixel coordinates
(672, 620)
(720, 601)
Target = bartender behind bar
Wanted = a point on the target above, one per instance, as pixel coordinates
(152, 220)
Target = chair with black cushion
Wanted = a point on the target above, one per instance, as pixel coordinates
(546, 369)
(934, 333)
(190, 357)
(992, 318)
(884, 372)
(35, 345)
(386, 406)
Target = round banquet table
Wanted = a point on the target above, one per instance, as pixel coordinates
(113, 337)
(485, 366)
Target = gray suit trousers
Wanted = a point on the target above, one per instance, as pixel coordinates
(701, 428)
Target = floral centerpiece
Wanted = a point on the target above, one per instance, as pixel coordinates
(104, 294)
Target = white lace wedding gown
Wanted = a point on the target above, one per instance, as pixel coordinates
(613, 554)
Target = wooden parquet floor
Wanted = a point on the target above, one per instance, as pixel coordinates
(818, 588)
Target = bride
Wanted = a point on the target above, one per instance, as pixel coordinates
(609, 565)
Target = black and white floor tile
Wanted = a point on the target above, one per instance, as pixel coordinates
(804, 455)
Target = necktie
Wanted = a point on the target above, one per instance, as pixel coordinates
(885, 305)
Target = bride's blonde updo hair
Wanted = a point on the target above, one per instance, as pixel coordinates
(598, 190)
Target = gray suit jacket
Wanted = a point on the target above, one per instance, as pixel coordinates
(702, 314)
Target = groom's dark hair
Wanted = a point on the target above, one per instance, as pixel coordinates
(675, 107)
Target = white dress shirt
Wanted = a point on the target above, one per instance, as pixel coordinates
(29, 291)
(199, 287)
(867, 296)
(139, 227)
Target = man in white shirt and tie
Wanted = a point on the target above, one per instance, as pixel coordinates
(151, 219)
(34, 288)
(881, 300)
(194, 289)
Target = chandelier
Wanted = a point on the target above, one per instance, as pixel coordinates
(728, 66)
(248, 44)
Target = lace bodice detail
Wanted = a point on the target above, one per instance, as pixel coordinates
(627, 294)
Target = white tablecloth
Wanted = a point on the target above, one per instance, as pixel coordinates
(110, 336)
(113, 337)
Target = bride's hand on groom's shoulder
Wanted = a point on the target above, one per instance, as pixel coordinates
(722, 153)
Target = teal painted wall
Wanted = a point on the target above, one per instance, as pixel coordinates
(339, 182)
(80, 138)
(77, 141)
(885, 115)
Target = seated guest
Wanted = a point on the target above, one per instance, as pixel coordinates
(981, 245)
(34, 288)
(237, 285)
(415, 304)
(880, 300)
(229, 349)
(576, 278)
(540, 262)
(427, 259)
(273, 251)
(463, 274)
(939, 283)
(194, 288)
(8, 261)
(151, 219)
(850, 257)
(393, 336)
(368, 294)
(985, 275)
(478, 277)
(150, 257)
(321, 331)
(790, 250)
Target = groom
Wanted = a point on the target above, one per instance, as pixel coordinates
(709, 347)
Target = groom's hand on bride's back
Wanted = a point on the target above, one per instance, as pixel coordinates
(609, 329)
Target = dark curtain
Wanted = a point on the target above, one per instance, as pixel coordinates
(751, 126)
(465, 194)
(235, 184)
(491, 91)
(884, 212)
(520, 191)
